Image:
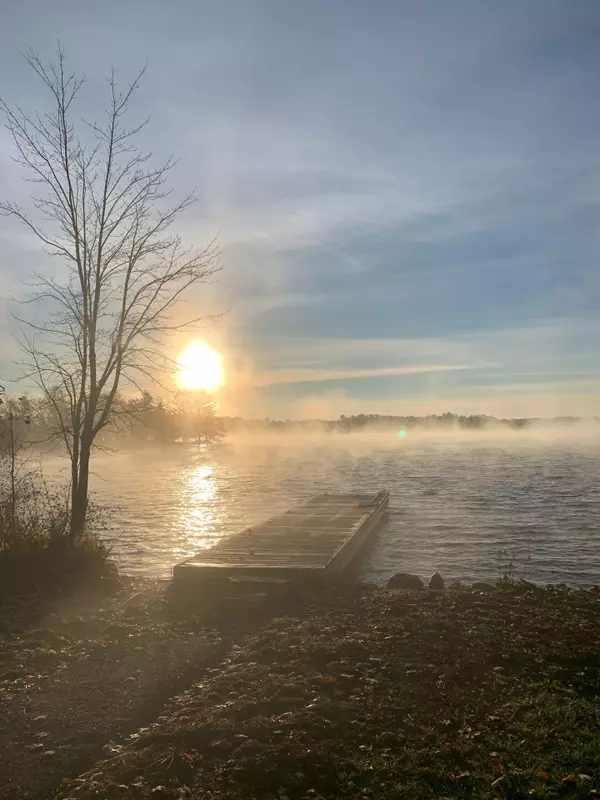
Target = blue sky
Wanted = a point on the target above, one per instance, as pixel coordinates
(407, 193)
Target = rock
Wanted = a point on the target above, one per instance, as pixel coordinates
(456, 586)
(404, 580)
(436, 582)
(482, 586)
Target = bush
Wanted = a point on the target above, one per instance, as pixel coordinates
(32, 517)
(35, 543)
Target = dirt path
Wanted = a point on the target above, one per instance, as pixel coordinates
(90, 671)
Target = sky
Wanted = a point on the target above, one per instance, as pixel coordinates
(406, 194)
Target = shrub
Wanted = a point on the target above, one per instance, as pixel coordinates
(35, 543)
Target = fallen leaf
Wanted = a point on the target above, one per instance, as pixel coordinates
(462, 775)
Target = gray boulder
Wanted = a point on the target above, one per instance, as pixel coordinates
(436, 582)
(404, 580)
(482, 586)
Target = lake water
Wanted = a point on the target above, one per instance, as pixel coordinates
(455, 507)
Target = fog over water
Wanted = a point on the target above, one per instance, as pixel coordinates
(457, 501)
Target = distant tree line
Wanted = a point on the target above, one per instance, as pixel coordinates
(194, 417)
(374, 422)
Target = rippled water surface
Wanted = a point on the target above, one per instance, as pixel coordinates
(455, 506)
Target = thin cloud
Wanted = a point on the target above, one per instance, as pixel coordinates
(277, 377)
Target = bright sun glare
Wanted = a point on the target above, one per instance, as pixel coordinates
(199, 367)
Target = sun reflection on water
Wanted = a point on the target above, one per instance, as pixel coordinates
(196, 519)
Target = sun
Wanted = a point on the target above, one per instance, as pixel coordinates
(199, 367)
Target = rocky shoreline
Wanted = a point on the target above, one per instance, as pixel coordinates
(346, 692)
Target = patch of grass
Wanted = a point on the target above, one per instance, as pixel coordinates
(542, 745)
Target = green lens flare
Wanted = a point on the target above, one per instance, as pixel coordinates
(402, 434)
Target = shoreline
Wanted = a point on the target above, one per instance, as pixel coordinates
(361, 691)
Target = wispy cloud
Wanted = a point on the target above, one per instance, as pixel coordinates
(283, 376)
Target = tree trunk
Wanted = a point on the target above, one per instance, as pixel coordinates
(79, 496)
(13, 484)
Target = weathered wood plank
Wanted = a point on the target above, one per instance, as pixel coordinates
(319, 538)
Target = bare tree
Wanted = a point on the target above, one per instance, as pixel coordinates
(103, 210)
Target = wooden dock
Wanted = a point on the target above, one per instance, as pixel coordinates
(318, 539)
